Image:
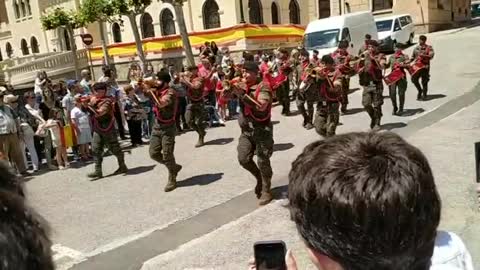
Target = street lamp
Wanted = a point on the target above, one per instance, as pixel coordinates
(242, 16)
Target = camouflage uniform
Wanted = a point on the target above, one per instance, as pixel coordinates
(257, 138)
(401, 85)
(162, 142)
(328, 115)
(372, 83)
(308, 93)
(196, 114)
(342, 61)
(423, 74)
(283, 91)
(105, 134)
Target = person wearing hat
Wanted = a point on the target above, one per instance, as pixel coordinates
(342, 61)
(308, 90)
(162, 142)
(398, 62)
(257, 130)
(195, 114)
(104, 131)
(370, 73)
(28, 123)
(9, 135)
(315, 59)
(282, 65)
(364, 47)
(422, 55)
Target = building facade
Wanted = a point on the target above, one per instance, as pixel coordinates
(21, 33)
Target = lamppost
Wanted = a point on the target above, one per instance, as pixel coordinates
(242, 15)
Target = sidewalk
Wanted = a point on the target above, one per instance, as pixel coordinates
(448, 145)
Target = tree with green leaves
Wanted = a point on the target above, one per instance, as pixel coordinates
(178, 7)
(69, 20)
(99, 11)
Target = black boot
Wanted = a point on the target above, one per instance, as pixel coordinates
(371, 113)
(201, 140)
(122, 169)
(172, 178)
(402, 104)
(419, 95)
(97, 174)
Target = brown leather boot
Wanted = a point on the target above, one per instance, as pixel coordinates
(172, 178)
(266, 196)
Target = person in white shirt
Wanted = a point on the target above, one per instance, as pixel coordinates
(83, 131)
(367, 201)
(40, 84)
(86, 82)
(55, 126)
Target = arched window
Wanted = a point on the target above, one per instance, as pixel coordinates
(9, 49)
(116, 33)
(16, 7)
(24, 46)
(34, 45)
(147, 26)
(211, 17)
(324, 8)
(275, 19)
(167, 24)
(29, 8)
(255, 12)
(294, 12)
(66, 40)
(23, 8)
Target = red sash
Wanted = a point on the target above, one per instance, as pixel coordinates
(158, 115)
(249, 110)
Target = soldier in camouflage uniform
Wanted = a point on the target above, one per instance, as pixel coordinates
(162, 142)
(398, 61)
(257, 130)
(196, 114)
(295, 75)
(423, 53)
(365, 45)
(328, 114)
(104, 131)
(308, 90)
(283, 92)
(342, 62)
(371, 79)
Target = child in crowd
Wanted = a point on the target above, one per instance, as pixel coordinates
(81, 124)
(55, 125)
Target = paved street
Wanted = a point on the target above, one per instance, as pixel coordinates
(211, 220)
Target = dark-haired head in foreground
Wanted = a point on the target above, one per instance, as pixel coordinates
(365, 201)
(24, 235)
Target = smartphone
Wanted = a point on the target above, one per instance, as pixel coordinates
(270, 255)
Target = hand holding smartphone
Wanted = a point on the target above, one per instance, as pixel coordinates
(270, 255)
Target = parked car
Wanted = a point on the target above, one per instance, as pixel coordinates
(394, 29)
(475, 8)
(325, 34)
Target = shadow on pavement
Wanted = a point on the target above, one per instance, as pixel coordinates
(140, 170)
(221, 141)
(392, 126)
(280, 192)
(353, 90)
(282, 147)
(412, 112)
(354, 111)
(437, 96)
(200, 180)
(275, 123)
(295, 113)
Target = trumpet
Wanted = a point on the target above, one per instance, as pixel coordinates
(229, 86)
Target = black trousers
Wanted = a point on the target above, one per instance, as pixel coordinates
(135, 128)
(182, 109)
(118, 118)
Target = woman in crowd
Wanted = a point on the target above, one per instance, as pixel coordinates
(40, 84)
(135, 115)
(81, 124)
(28, 124)
(55, 126)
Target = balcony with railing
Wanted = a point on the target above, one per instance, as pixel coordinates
(55, 65)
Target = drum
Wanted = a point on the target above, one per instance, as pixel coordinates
(416, 67)
(394, 76)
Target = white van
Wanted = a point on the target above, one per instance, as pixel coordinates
(395, 29)
(323, 35)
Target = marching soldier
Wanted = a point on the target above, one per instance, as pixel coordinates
(365, 45)
(104, 131)
(195, 114)
(308, 90)
(328, 115)
(257, 130)
(422, 55)
(342, 62)
(398, 62)
(282, 67)
(371, 79)
(162, 142)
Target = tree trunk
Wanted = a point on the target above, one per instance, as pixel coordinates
(71, 39)
(183, 32)
(106, 57)
(138, 40)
